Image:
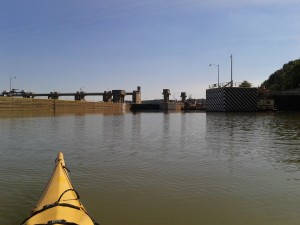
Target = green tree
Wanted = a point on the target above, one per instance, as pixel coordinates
(286, 78)
(245, 84)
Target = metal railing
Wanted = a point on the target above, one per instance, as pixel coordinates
(227, 84)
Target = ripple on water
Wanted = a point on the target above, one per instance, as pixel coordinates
(158, 168)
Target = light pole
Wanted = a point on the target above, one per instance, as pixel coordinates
(218, 72)
(10, 83)
(231, 71)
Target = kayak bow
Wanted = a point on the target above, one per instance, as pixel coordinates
(59, 203)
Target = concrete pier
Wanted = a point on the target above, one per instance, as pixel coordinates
(183, 96)
(166, 93)
(231, 99)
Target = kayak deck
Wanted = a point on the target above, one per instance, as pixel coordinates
(59, 203)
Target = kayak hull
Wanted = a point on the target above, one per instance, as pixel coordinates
(59, 203)
(60, 213)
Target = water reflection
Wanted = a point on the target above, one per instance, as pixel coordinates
(155, 168)
(255, 136)
(166, 136)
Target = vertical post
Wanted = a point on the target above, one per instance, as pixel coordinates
(231, 71)
(218, 75)
(10, 83)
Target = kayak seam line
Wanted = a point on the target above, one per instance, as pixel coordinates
(46, 207)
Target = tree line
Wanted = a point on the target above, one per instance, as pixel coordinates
(286, 78)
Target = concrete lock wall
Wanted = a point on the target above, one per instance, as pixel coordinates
(13, 104)
(231, 99)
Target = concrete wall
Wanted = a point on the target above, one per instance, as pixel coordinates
(231, 99)
(20, 105)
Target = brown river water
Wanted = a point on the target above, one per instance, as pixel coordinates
(158, 168)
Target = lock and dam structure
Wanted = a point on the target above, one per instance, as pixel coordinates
(47, 103)
(218, 99)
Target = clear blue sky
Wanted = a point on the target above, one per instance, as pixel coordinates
(99, 45)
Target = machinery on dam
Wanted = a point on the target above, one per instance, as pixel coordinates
(116, 96)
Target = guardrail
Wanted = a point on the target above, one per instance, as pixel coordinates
(227, 84)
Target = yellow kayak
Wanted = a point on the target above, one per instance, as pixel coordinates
(59, 203)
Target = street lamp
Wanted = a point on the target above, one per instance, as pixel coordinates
(10, 83)
(218, 71)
